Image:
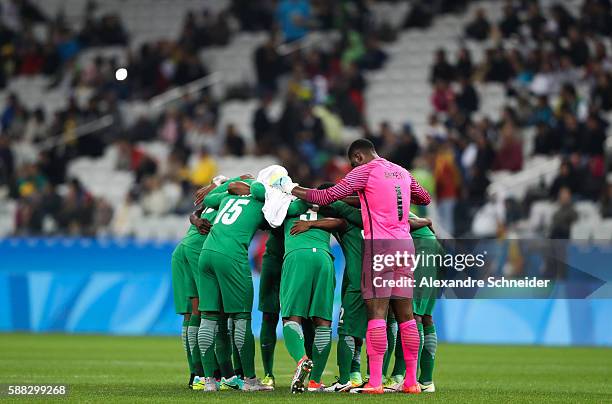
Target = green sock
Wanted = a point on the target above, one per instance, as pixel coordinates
(421, 338)
(235, 354)
(345, 355)
(206, 341)
(192, 338)
(245, 343)
(320, 352)
(223, 349)
(267, 343)
(428, 356)
(186, 345)
(391, 338)
(309, 333)
(399, 367)
(294, 340)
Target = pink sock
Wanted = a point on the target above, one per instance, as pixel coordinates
(410, 346)
(376, 344)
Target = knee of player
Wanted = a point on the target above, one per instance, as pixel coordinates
(321, 322)
(211, 315)
(240, 316)
(270, 317)
(294, 319)
(427, 320)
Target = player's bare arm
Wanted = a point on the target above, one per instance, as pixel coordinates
(239, 188)
(419, 222)
(328, 224)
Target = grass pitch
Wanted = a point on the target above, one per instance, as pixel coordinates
(153, 369)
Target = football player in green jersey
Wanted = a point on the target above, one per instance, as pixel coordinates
(353, 320)
(224, 277)
(269, 303)
(184, 288)
(307, 290)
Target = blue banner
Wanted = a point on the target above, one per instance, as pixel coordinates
(124, 287)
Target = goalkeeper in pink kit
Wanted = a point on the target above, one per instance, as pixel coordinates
(385, 191)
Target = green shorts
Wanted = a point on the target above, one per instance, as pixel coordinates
(353, 315)
(424, 299)
(192, 256)
(224, 283)
(180, 273)
(269, 284)
(307, 284)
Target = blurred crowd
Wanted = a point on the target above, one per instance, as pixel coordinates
(555, 71)
(554, 68)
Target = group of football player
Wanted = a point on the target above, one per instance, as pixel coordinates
(213, 288)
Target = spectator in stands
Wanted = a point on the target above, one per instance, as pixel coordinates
(170, 130)
(294, 18)
(30, 181)
(102, 216)
(497, 66)
(76, 214)
(263, 127)
(7, 161)
(448, 183)
(467, 100)
(542, 112)
(606, 201)
(545, 82)
(479, 28)
(594, 137)
(566, 179)
(564, 216)
(441, 69)
(571, 133)
(510, 151)
(406, 149)
(154, 201)
(234, 143)
(127, 216)
(268, 65)
(205, 169)
(535, 20)
(442, 96)
(510, 22)
(477, 186)
(577, 48)
(464, 66)
(543, 139)
(374, 57)
(601, 93)
(435, 130)
(570, 101)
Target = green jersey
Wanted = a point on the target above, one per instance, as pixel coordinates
(275, 245)
(238, 218)
(351, 242)
(193, 238)
(298, 210)
(313, 238)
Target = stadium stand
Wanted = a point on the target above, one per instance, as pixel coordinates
(499, 125)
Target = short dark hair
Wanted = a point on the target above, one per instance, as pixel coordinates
(360, 145)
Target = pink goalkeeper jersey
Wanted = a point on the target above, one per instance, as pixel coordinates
(385, 191)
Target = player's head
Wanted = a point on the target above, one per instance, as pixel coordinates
(326, 185)
(360, 152)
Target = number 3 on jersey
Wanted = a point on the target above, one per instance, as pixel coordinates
(230, 212)
(309, 216)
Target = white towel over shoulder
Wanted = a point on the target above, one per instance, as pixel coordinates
(277, 202)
